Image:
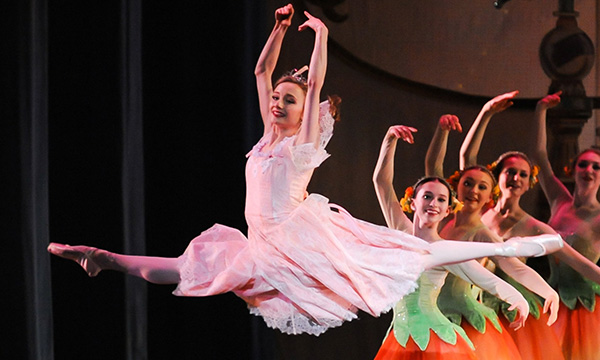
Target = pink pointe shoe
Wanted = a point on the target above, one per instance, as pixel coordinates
(83, 255)
(531, 246)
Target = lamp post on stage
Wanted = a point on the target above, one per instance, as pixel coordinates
(567, 56)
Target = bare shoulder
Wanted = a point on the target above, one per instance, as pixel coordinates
(567, 218)
(594, 221)
(484, 234)
(532, 226)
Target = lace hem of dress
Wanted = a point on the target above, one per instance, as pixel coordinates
(297, 323)
(186, 273)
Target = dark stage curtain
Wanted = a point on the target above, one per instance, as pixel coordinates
(13, 329)
(126, 129)
(132, 175)
(33, 150)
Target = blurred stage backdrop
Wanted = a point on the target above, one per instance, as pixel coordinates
(124, 126)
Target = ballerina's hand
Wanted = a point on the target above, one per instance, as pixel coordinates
(402, 132)
(549, 101)
(284, 15)
(500, 102)
(522, 313)
(312, 22)
(552, 304)
(450, 122)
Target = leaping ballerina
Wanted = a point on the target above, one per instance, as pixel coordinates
(303, 267)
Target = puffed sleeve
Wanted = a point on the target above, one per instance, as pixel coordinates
(306, 156)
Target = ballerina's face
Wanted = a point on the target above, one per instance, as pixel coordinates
(514, 177)
(287, 105)
(474, 190)
(587, 170)
(431, 202)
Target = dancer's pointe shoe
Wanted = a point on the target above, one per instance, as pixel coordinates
(531, 246)
(83, 255)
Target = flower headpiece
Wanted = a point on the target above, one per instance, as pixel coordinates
(456, 205)
(495, 196)
(453, 179)
(533, 177)
(407, 200)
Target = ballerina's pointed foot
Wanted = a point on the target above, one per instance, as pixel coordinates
(83, 255)
(533, 246)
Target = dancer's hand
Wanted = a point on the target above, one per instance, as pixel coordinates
(522, 313)
(500, 102)
(549, 101)
(402, 132)
(312, 22)
(283, 15)
(552, 304)
(450, 122)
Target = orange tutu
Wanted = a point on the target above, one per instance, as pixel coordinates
(536, 341)
(492, 345)
(579, 332)
(437, 349)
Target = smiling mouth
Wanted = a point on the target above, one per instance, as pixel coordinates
(277, 113)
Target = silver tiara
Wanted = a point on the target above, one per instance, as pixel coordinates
(298, 73)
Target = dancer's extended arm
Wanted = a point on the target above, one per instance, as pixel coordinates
(383, 178)
(529, 278)
(525, 275)
(475, 273)
(268, 60)
(309, 130)
(434, 159)
(580, 263)
(553, 188)
(472, 142)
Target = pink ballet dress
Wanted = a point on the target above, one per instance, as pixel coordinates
(306, 265)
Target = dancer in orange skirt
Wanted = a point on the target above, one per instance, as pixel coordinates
(516, 175)
(477, 188)
(419, 330)
(577, 217)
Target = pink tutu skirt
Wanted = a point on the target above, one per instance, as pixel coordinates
(309, 272)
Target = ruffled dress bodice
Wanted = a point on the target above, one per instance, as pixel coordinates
(276, 180)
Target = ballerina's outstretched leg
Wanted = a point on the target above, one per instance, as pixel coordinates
(158, 270)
